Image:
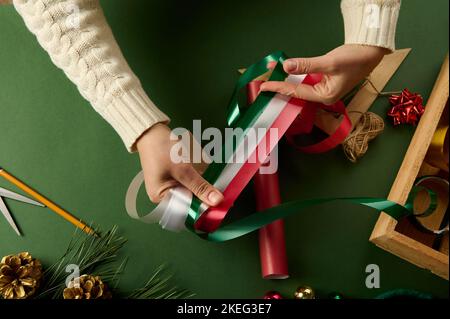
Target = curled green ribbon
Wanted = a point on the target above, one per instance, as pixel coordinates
(243, 117)
(260, 219)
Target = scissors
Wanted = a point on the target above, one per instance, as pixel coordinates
(8, 194)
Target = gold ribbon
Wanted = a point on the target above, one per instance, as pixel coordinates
(437, 155)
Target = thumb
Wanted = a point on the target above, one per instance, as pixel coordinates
(320, 64)
(191, 179)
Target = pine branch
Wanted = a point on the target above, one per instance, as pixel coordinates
(158, 287)
(91, 254)
(99, 256)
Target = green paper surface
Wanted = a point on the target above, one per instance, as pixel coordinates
(52, 139)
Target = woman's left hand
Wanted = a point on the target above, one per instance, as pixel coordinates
(342, 68)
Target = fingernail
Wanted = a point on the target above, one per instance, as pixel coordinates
(289, 65)
(271, 64)
(215, 198)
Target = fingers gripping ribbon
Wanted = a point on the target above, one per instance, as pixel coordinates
(181, 210)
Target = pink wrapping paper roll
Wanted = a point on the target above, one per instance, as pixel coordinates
(272, 246)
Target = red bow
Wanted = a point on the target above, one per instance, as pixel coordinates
(407, 107)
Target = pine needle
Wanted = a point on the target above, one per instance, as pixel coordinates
(158, 287)
(99, 256)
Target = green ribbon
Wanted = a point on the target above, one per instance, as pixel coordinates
(266, 217)
(240, 118)
(244, 118)
(254, 71)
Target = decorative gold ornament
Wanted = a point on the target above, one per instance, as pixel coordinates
(19, 276)
(87, 287)
(304, 292)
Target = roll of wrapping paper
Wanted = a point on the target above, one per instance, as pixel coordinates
(272, 246)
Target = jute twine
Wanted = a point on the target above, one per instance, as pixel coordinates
(356, 144)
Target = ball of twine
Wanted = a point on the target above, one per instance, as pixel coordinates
(370, 125)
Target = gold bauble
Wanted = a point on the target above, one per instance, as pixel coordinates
(87, 287)
(19, 276)
(304, 292)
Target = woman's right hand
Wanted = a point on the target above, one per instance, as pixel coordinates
(161, 173)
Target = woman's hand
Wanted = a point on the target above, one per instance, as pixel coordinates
(161, 173)
(342, 69)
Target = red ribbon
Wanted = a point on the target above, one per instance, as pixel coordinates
(297, 118)
(305, 122)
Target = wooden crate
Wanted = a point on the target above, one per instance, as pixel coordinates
(385, 234)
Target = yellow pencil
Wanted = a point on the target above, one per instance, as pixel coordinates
(67, 216)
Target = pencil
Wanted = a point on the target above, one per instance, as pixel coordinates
(58, 210)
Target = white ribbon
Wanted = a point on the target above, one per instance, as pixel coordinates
(171, 213)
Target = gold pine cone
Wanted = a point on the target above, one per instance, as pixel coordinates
(19, 276)
(87, 287)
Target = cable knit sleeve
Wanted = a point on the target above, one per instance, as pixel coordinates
(79, 40)
(371, 22)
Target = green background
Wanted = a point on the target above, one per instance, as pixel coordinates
(186, 54)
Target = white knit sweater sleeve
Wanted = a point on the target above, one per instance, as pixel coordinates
(79, 40)
(371, 22)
